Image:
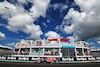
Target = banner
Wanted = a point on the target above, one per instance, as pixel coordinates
(52, 39)
(64, 40)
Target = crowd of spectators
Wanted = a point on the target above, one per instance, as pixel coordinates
(95, 54)
(24, 52)
(5, 52)
(51, 53)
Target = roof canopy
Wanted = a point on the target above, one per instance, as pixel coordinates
(60, 39)
(1, 46)
(52, 39)
(64, 40)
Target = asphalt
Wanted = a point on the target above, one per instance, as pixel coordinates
(12, 64)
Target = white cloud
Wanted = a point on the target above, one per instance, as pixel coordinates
(44, 24)
(2, 35)
(92, 43)
(8, 10)
(93, 47)
(48, 21)
(20, 19)
(2, 24)
(39, 8)
(10, 44)
(72, 38)
(98, 42)
(22, 1)
(52, 34)
(87, 5)
(60, 6)
(34, 31)
(85, 24)
(97, 39)
(19, 22)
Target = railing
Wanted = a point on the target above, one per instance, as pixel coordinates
(79, 45)
(57, 44)
(50, 44)
(37, 53)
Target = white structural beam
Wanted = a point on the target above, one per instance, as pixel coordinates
(19, 51)
(75, 52)
(30, 51)
(83, 51)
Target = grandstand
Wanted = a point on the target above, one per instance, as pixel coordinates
(95, 52)
(5, 50)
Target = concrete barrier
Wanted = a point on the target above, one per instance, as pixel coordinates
(91, 58)
(21, 58)
(98, 58)
(26, 58)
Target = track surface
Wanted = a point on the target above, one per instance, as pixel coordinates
(9, 64)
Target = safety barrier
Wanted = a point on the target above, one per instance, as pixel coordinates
(11, 58)
(34, 58)
(81, 59)
(91, 58)
(24, 58)
(3, 58)
(98, 58)
(68, 59)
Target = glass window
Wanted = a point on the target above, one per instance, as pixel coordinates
(68, 52)
(71, 52)
(65, 52)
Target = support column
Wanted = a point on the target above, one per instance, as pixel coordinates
(43, 51)
(13, 51)
(44, 42)
(88, 51)
(59, 41)
(19, 51)
(73, 40)
(59, 51)
(30, 51)
(83, 51)
(75, 58)
(68, 53)
(75, 52)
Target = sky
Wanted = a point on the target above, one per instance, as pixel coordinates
(39, 19)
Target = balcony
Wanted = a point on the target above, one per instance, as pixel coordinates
(51, 45)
